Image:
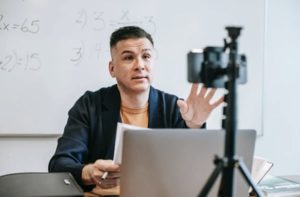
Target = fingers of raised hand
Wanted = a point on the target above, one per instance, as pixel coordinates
(218, 102)
(206, 96)
(203, 93)
(183, 107)
(210, 94)
(194, 89)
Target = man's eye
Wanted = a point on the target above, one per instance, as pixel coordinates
(128, 58)
(147, 56)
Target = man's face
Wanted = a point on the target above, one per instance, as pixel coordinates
(131, 64)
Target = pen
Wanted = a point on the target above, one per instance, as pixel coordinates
(104, 175)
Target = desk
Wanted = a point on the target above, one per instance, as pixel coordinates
(94, 192)
(97, 192)
(283, 188)
(295, 178)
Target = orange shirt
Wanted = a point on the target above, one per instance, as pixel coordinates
(138, 117)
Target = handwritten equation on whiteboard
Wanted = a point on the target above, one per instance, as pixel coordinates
(30, 61)
(25, 26)
(83, 20)
(98, 22)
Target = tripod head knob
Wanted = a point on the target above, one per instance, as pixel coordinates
(226, 44)
(233, 32)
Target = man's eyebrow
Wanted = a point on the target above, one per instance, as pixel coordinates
(128, 51)
(147, 49)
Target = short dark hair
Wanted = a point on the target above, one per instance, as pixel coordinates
(128, 32)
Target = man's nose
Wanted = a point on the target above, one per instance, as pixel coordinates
(140, 64)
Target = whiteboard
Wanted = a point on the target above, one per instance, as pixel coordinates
(52, 51)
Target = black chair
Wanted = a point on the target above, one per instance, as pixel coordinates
(39, 184)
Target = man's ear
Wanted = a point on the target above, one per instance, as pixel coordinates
(111, 69)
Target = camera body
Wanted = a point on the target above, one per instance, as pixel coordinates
(209, 66)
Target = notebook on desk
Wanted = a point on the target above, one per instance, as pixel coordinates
(178, 162)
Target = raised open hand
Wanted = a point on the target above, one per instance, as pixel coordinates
(196, 109)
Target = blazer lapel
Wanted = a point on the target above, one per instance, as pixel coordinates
(155, 121)
(110, 116)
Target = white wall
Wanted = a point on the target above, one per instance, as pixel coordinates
(28, 154)
(281, 102)
(280, 142)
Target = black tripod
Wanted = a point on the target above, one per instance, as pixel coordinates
(230, 161)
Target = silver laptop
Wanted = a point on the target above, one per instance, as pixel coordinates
(178, 162)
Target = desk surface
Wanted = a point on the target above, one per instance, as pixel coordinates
(295, 178)
(97, 192)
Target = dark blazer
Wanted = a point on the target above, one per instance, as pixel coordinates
(91, 127)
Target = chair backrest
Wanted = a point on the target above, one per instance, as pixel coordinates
(39, 184)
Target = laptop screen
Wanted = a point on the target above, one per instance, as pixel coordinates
(178, 162)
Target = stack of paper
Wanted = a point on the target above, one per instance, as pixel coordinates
(260, 168)
(121, 127)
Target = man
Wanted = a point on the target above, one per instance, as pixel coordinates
(87, 145)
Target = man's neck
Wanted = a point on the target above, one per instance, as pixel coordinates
(134, 100)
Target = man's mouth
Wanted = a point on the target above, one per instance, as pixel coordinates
(140, 77)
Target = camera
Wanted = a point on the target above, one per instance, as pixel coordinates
(209, 66)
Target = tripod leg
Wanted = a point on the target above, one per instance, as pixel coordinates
(212, 178)
(227, 181)
(243, 169)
